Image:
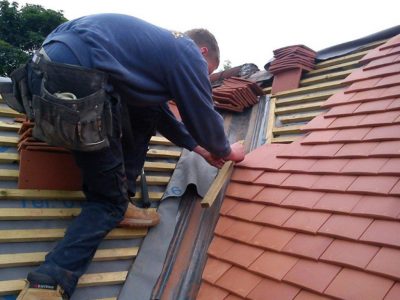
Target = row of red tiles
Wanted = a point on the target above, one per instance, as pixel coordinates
(317, 276)
(371, 258)
(365, 229)
(387, 49)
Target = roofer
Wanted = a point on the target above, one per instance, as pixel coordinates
(101, 77)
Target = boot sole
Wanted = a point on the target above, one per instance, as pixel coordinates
(137, 223)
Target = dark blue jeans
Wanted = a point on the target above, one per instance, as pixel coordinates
(107, 175)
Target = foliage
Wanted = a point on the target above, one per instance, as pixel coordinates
(227, 65)
(22, 30)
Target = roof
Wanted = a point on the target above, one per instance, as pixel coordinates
(319, 218)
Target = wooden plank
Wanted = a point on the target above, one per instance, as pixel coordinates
(159, 166)
(9, 175)
(342, 59)
(18, 194)
(8, 112)
(298, 117)
(271, 120)
(299, 108)
(325, 78)
(39, 235)
(38, 213)
(313, 88)
(344, 66)
(36, 258)
(163, 153)
(9, 157)
(285, 139)
(160, 140)
(316, 96)
(295, 129)
(9, 126)
(8, 287)
(267, 90)
(8, 141)
(223, 175)
(156, 180)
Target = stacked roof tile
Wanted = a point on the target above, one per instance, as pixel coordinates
(319, 218)
(236, 94)
(297, 56)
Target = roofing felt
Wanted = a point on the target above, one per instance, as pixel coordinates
(319, 218)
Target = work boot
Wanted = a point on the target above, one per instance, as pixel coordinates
(41, 287)
(140, 217)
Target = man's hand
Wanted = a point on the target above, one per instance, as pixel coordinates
(237, 154)
(211, 159)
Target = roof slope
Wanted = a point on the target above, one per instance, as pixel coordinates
(319, 218)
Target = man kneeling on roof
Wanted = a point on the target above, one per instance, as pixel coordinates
(99, 86)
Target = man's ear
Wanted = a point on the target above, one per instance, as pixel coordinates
(204, 51)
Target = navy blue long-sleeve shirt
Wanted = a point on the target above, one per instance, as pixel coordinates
(148, 66)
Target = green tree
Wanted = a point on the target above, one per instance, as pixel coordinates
(22, 30)
(227, 65)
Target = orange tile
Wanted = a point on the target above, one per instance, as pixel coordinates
(239, 281)
(306, 295)
(273, 215)
(315, 276)
(271, 290)
(351, 284)
(245, 175)
(381, 61)
(302, 199)
(391, 167)
(227, 205)
(242, 255)
(363, 85)
(337, 99)
(370, 95)
(364, 166)
(273, 265)
(388, 149)
(243, 191)
(299, 164)
(214, 269)
(342, 110)
(337, 202)
(357, 149)
(386, 262)
(242, 231)
(334, 183)
(300, 181)
(323, 151)
(219, 246)
(295, 149)
(246, 210)
(264, 157)
(383, 133)
(350, 135)
(373, 184)
(383, 233)
(318, 123)
(223, 224)
(272, 238)
(307, 245)
(272, 195)
(306, 221)
(378, 206)
(394, 292)
(330, 165)
(373, 106)
(345, 226)
(272, 178)
(318, 137)
(379, 119)
(349, 253)
(233, 297)
(346, 122)
(210, 292)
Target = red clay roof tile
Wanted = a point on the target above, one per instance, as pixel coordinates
(227, 205)
(352, 284)
(272, 195)
(394, 292)
(272, 238)
(245, 210)
(242, 255)
(349, 253)
(329, 165)
(307, 245)
(312, 275)
(245, 175)
(353, 150)
(298, 165)
(345, 226)
(346, 122)
(373, 184)
(333, 183)
(273, 265)
(214, 269)
(306, 295)
(383, 233)
(396, 189)
(219, 246)
(342, 110)
(239, 281)
(223, 224)
(300, 181)
(233, 297)
(272, 178)
(372, 106)
(243, 191)
(378, 206)
(322, 151)
(306, 221)
(386, 149)
(386, 262)
(272, 215)
(364, 166)
(211, 292)
(337, 202)
(271, 290)
(263, 158)
(302, 199)
(243, 231)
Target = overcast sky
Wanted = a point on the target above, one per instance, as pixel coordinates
(248, 31)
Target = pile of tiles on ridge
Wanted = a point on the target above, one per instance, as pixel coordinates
(291, 57)
(236, 94)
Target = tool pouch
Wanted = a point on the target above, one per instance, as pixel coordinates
(82, 124)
